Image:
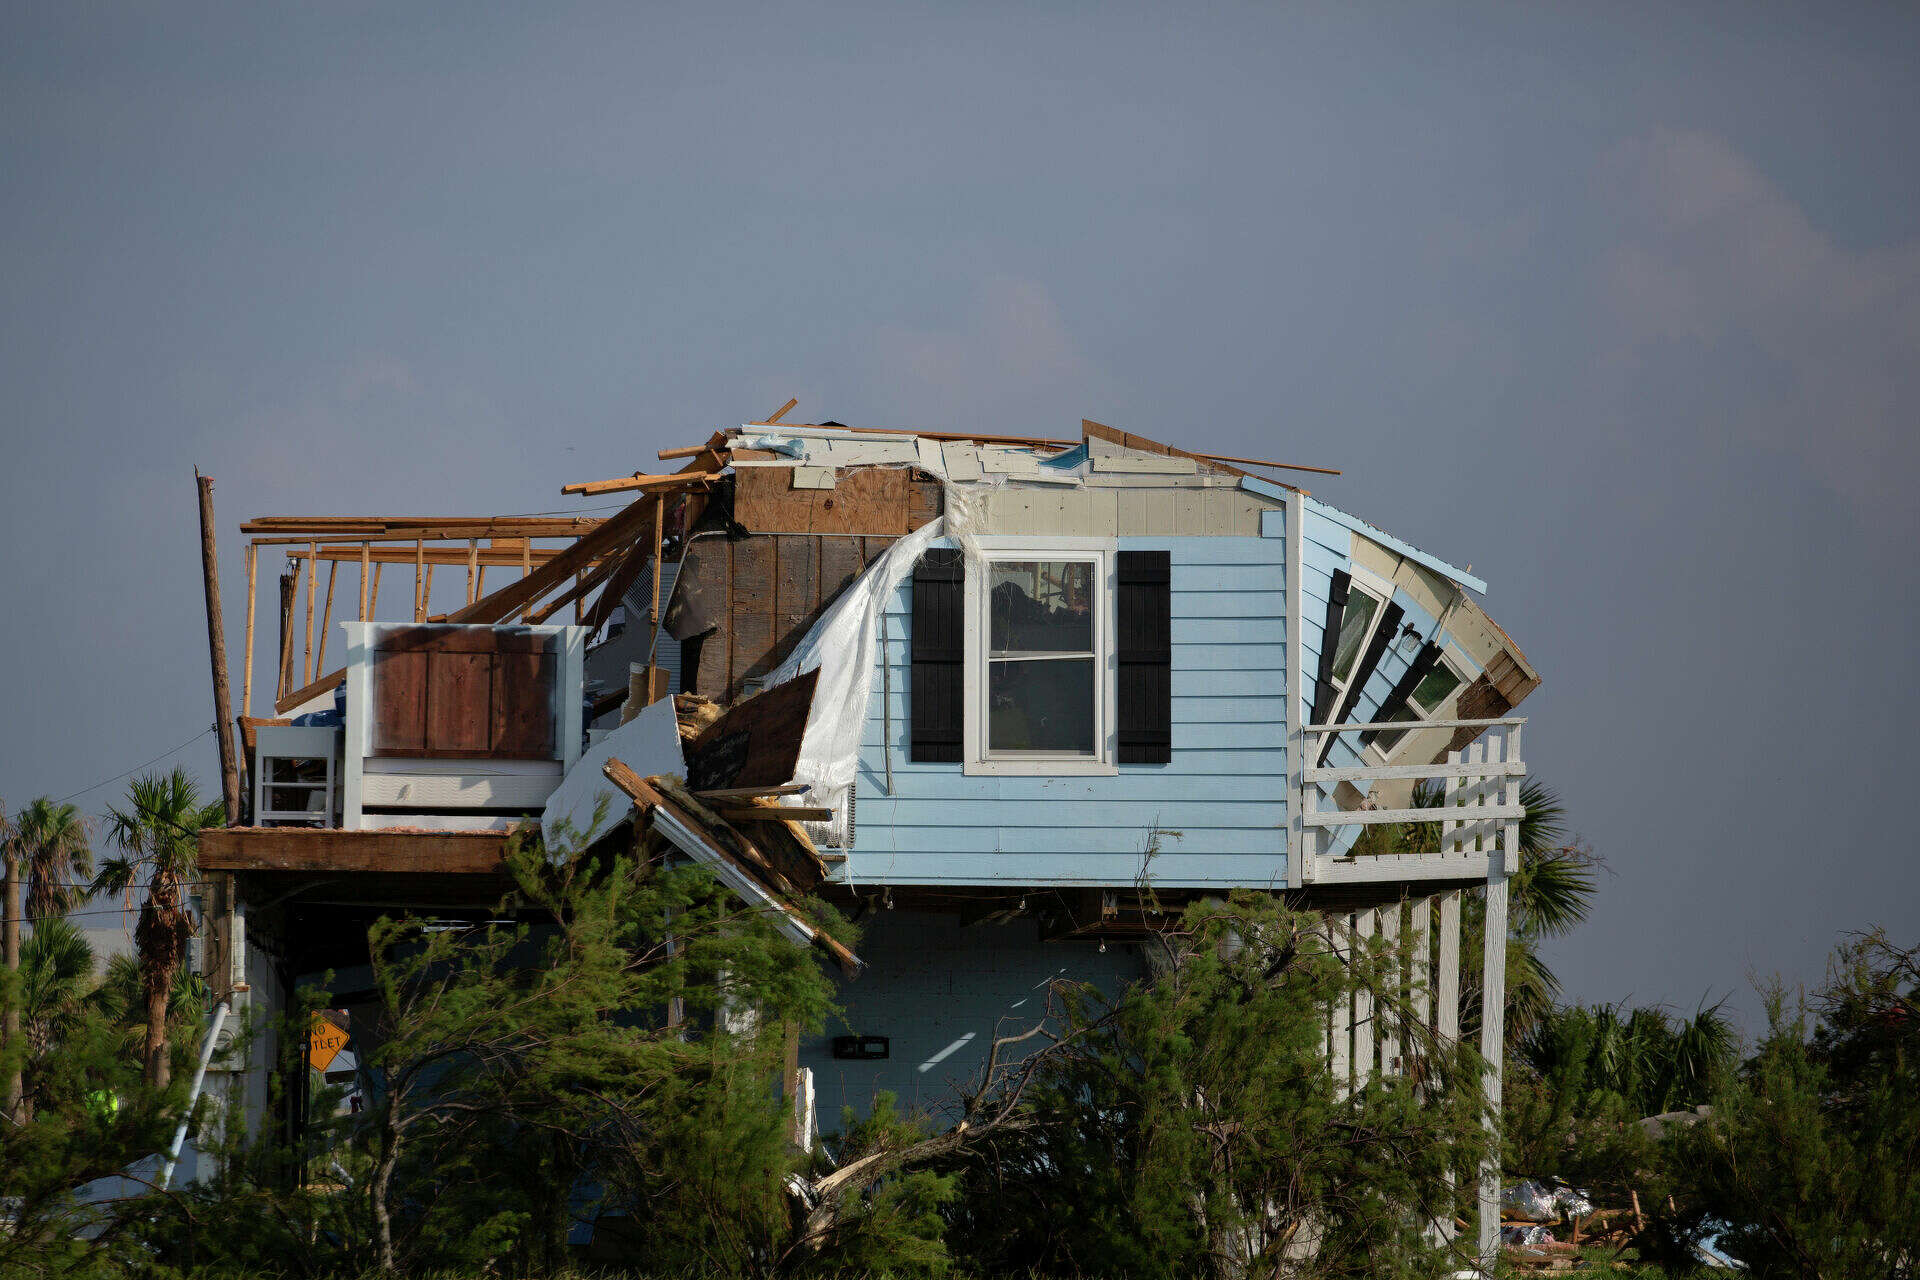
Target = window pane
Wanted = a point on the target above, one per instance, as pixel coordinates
(1353, 629)
(1389, 739)
(296, 769)
(1436, 688)
(296, 799)
(1040, 606)
(1040, 706)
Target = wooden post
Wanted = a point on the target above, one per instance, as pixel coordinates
(217, 646)
(289, 588)
(10, 931)
(313, 590)
(246, 674)
(366, 558)
(526, 571)
(473, 566)
(419, 577)
(326, 615)
(653, 613)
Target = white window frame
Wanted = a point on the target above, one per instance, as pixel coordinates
(1367, 583)
(975, 758)
(1455, 661)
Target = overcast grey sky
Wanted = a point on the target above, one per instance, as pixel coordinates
(1621, 306)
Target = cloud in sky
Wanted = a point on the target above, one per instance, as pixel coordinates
(1717, 260)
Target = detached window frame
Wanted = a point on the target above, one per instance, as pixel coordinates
(1417, 713)
(1360, 582)
(976, 757)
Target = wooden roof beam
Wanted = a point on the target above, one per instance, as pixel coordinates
(638, 480)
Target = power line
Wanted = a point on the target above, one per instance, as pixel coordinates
(137, 768)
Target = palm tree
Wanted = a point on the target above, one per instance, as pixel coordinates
(160, 834)
(51, 842)
(56, 977)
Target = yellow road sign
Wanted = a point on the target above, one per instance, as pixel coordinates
(325, 1040)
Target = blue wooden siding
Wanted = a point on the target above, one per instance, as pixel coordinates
(1217, 812)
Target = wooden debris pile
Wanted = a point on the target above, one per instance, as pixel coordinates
(1540, 1244)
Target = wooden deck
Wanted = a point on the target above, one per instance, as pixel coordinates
(334, 850)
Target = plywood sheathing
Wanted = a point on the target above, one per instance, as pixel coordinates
(866, 500)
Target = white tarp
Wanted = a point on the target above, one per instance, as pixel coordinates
(649, 743)
(840, 646)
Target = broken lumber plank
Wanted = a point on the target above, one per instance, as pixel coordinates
(638, 480)
(1259, 462)
(423, 526)
(610, 536)
(643, 793)
(747, 793)
(774, 813)
(638, 556)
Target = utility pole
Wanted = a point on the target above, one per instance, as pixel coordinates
(12, 944)
(217, 643)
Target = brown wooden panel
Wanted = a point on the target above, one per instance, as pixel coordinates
(522, 705)
(311, 849)
(754, 561)
(459, 703)
(796, 593)
(863, 500)
(399, 703)
(925, 500)
(474, 639)
(756, 743)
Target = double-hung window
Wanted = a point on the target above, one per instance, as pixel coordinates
(1039, 658)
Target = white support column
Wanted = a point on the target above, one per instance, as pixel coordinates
(1341, 928)
(1493, 1005)
(1420, 977)
(1363, 1059)
(1446, 991)
(1388, 1010)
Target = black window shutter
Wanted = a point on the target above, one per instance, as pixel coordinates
(1415, 673)
(1329, 641)
(1144, 647)
(938, 648)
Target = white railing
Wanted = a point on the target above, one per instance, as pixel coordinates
(1479, 816)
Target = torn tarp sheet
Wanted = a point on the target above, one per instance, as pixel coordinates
(840, 647)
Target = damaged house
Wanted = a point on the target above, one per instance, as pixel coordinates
(975, 690)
